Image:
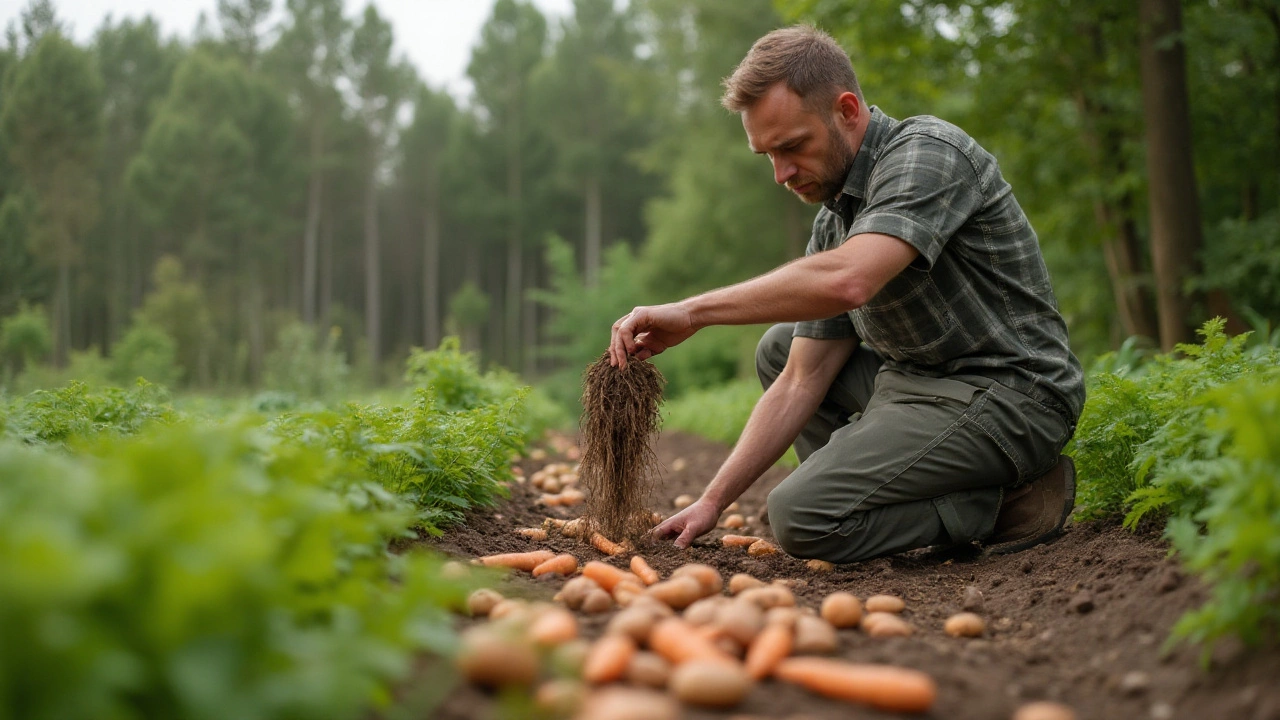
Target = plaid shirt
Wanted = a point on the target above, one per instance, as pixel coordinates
(978, 300)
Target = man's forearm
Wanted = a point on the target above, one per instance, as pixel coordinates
(774, 424)
(811, 288)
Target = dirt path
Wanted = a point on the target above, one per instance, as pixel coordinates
(1080, 621)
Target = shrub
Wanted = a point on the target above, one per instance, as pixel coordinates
(147, 352)
(25, 337)
(303, 366)
(77, 412)
(201, 574)
(718, 414)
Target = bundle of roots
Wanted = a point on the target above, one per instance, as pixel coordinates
(619, 424)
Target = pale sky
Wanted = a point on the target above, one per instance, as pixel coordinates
(436, 35)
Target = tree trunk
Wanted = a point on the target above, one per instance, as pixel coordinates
(62, 314)
(431, 271)
(326, 267)
(372, 275)
(1176, 235)
(253, 305)
(311, 232)
(515, 247)
(529, 327)
(594, 230)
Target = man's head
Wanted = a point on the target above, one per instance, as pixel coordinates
(800, 105)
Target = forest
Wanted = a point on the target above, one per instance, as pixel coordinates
(190, 209)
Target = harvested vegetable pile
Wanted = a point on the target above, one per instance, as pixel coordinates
(619, 425)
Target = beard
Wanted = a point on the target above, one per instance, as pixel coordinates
(835, 168)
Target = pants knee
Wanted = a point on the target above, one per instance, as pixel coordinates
(772, 352)
(784, 519)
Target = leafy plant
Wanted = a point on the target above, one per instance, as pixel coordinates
(145, 351)
(78, 412)
(305, 366)
(718, 413)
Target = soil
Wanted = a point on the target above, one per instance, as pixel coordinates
(1081, 621)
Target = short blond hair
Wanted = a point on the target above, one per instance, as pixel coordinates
(809, 61)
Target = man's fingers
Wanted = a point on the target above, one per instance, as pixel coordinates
(686, 538)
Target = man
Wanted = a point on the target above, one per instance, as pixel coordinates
(921, 368)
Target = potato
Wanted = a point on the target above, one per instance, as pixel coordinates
(885, 603)
(741, 620)
(703, 612)
(965, 624)
(842, 609)
(761, 548)
(508, 608)
(533, 533)
(683, 502)
(708, 577)
(743, 581)
(597, 601)
(551, 485)
(821, 566)
(883, 624)
(782, 614)
(486, 658)
(648, 669)
(481, 602)
(575, 591)
(554, 627)
(730, 647)
(814, 636)
(567, 658)
(454, 570)
(1044, 710)
(622, 703)
(560, 697)
(734, 522)
(574, 528)
(769, 596)
(634, 622)
(677, 593)
(733, 507)
(710, 684)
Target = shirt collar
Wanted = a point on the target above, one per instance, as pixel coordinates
(855, 183)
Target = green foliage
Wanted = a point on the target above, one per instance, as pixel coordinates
(25, 337)
(145, 351)
(80, 413)
(1231, 533)
(302, 366)
(1136, 423)
(1244, 261)
(718, 413)
(179, 307)
(468, 308)
(205, 574)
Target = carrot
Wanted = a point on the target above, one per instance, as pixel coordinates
(605, 545)
(881, 686)
(533, 533)
(738, 540)
(564, 564)
(769, 648)
(605, 575)
(642, 569)
(526, 561)
(676, 640)
(608, 659)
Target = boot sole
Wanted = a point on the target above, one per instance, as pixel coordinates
(1069, 504)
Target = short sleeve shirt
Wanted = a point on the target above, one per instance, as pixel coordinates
(978, 300)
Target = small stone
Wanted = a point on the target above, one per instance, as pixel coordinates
(1169, 580)
(1027, 566)
(1162, 711)
(1082, 602)
(973, 600)
(1135, 683)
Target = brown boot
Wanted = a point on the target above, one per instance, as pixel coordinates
(1034, 513)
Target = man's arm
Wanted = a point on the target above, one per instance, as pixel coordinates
(811, 288)
(774, 424)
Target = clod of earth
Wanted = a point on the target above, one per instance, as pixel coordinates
(619, 423)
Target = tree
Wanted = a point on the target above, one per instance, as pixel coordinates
(242, 22)
(52, 124)
(381, 83)
(424, 145)
(1171, 181)
(310, 57)
(512, 43)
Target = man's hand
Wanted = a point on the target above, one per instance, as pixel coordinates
(697, 519)
(647, 331)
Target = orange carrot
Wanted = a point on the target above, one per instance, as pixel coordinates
(564, 564)
(769, 648)
(738, 540)
(608, 659)
(881, 686)
(526, 561)
(605, 575)
(678, 642)
(605, 545)
(642, 569)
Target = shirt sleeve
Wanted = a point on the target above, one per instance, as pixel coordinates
(825, 230)
(922, 191)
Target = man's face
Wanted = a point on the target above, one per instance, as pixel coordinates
(810, 155)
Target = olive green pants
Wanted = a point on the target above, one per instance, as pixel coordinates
(891, 462)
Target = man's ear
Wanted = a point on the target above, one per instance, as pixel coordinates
(849, 108)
